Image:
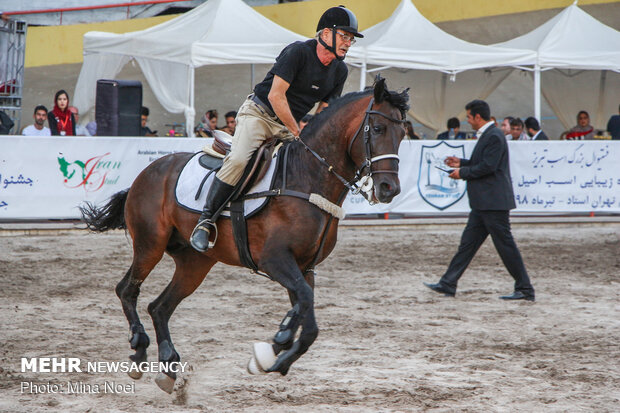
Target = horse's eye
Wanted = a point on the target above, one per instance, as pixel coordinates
(378, 128)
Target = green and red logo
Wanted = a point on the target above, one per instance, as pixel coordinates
(91, 175)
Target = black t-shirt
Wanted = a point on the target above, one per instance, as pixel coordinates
(310, 80)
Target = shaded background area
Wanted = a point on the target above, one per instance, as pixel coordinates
(224, 87)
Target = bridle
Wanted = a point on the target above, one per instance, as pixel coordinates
(362, 183)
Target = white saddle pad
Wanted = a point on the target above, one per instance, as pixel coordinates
(192, 175)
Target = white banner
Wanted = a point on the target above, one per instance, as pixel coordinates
(42, 177)
(48, 178)
(547, 176)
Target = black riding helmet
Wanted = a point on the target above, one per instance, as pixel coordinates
(337, 18)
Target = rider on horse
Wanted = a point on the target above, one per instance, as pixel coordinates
(304, 73)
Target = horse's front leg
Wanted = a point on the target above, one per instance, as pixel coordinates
(284, 270)
(284, 338)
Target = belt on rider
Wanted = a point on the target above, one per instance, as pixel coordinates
(264, 107)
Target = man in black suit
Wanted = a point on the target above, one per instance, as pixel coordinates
(491, 198)
(533, 130)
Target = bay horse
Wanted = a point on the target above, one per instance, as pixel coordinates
(357, 135)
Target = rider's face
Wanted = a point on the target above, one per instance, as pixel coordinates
(344, 40)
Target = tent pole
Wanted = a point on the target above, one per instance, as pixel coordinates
(601, 99)
(251, 76)
(537, 110)
(189, 119)
(363, 75)
(444, 80)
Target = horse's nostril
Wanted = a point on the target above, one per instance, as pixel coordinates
(386, 187)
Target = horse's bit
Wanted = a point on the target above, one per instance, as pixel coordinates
(362, 183)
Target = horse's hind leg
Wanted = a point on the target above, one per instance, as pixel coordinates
(191, 269)
(128, 290)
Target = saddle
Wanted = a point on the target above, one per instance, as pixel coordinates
(256, 168)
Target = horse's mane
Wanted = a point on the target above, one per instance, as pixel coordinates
(399, 100)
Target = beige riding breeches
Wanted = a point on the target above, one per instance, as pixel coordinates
(254, 126)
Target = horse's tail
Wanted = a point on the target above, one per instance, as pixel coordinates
(110, 216)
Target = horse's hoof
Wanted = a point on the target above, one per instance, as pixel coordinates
(136, 375)
(253, 367)
(134, 372)
(264, 356)
(165, 382)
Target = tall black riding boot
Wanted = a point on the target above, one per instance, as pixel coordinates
(218, 194)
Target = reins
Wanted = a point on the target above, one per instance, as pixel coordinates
(365, 183)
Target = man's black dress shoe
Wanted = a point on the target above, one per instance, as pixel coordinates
(518, 295)
(440, 289)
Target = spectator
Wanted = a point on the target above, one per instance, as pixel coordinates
(494, 119)
(583, 130)
(5, 123)
(144, 117)
(60, 119)
(208, 123)
(409, 132)
(506, 126)
(38, 128)
(516, 131)
(91, 126)
(212, 116)
(533, 130)
(79, 129)
(231, 122)
(304, 121)
(613, 126)
(454, 125)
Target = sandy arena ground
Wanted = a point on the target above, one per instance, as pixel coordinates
(387, 343)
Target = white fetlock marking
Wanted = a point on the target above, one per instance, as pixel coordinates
(253, 367)
(264, 356)
(165, 382)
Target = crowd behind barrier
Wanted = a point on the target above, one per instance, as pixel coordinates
(49, 177)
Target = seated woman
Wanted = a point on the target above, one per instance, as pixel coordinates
(208, 123)
(583, 130)
(409, 133)
(61, 120)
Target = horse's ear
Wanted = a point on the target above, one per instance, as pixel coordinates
(379, 89)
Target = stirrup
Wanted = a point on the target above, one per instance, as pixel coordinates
(206, 225)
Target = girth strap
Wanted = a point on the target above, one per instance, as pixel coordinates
(240, 235)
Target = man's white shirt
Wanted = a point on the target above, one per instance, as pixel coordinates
(484, 127)
(32, 131)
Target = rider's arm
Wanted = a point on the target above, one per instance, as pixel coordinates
(277, 98)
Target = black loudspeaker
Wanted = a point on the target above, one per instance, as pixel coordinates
(117, 107)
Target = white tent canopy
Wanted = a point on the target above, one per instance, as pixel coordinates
(574, 43)
(217, 32)
(407, 40)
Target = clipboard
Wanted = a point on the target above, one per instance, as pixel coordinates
(448, 171)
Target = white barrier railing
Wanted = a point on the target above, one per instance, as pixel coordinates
(47, 178)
